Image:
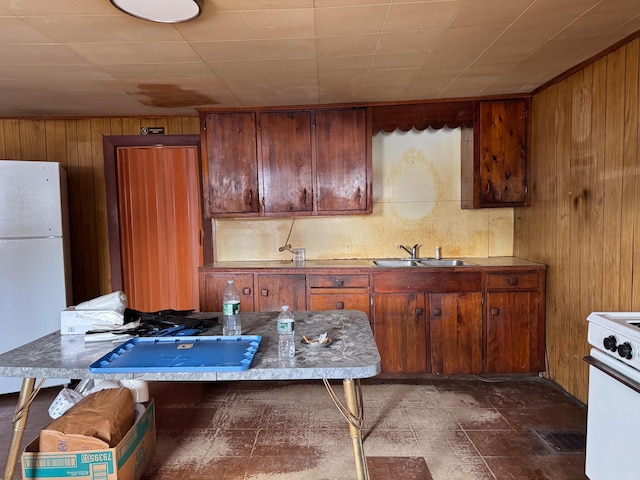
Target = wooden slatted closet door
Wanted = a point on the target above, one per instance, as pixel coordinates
(160, 226)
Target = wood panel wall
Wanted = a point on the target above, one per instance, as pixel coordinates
(77, 145)
(584, 217)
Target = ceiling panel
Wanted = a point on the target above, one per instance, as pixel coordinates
(85, 57)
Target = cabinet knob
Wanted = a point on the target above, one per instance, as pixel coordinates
(338, 282)
(339, 305)
(495, 311)
(264, 292)
(437, 312)
(513, 281)
(419, 311)
(246, 291)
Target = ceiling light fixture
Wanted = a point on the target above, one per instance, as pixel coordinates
(162, 11)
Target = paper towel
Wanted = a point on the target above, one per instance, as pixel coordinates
(112, 301)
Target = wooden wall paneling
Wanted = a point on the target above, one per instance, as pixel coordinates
(2, 141)
(131, 126)
(580, 184)
(629, 176)
(87, 219)
(635, 299)
(12, 139)
(99, 128)
(613, 180)
(32, 140)
(56, 148)
(560, 324)
(115, 126)
(190, 125)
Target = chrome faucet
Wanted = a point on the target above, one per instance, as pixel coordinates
(413, 252)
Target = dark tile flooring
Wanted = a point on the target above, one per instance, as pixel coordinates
(455, 428)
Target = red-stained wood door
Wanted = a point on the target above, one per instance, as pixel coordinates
(160, 219)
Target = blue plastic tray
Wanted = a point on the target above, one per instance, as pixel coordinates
(180, 354)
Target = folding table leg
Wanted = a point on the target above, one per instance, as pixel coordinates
(354, 428)
(19, 424)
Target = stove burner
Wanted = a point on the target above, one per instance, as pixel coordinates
(635, 324)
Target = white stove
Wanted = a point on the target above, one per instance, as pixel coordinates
(614, 395)
(617, 334)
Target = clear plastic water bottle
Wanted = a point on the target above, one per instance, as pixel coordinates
(231, 310)
(286, 333)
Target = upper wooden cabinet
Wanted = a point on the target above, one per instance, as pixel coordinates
(495, 167)
(287, 162)
(230, 164)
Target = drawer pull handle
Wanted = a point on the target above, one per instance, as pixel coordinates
(338, 282)
(437, 312)
(339, 305)
(264, 292)
(419, 311)
(495, 311)
(246, 291)
(513, 281)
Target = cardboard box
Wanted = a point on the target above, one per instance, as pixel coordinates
(126, 461)
(79, 322)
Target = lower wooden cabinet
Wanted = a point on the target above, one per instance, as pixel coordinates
(212, 285)
(514, 323)
(275, 290)
(447, 321)
(401, 332)
(455, 325)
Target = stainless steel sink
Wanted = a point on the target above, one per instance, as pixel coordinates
(443, 262)
(420, 262)
(396, 263)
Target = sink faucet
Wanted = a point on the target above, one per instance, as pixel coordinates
(413, 252)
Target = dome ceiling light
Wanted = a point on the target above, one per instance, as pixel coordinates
(162, 11)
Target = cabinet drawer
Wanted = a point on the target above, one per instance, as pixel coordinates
(338, 281)
(513, 281)
(340, 301)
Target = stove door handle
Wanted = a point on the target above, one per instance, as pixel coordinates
(613, 373)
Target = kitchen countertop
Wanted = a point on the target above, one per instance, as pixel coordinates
(476, 262)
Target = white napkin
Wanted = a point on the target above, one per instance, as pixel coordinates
(112, 301)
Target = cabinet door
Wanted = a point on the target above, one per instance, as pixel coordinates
(400, 330)
(287, 184)
(455, 321)
(502, 128)
(342, 161)
(494, 156)
(212, 285)
(512, 333)
(281, 289)
(230, 169)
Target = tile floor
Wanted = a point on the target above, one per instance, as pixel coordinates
(455, 428)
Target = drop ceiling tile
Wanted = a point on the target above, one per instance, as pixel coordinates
(346, 3)
(350, 20)
(226, 51)
(156, 52)
(214, 26)
(420, 15)
(13, 30)
(347, 45)
(292, 72)
(92, 29)
(268, 24)
(348, 64)
(412, 41)
(294, 48)
(242, 72)
(39, 55)
(273, 4)
(397, 60)
(45, 7)
(476, 13)
(136, 73)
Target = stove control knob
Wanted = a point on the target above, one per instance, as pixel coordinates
(625, 351)
(610, 343)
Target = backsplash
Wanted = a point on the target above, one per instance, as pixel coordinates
(416, 199)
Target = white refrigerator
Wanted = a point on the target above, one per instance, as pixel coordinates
(35, 280)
